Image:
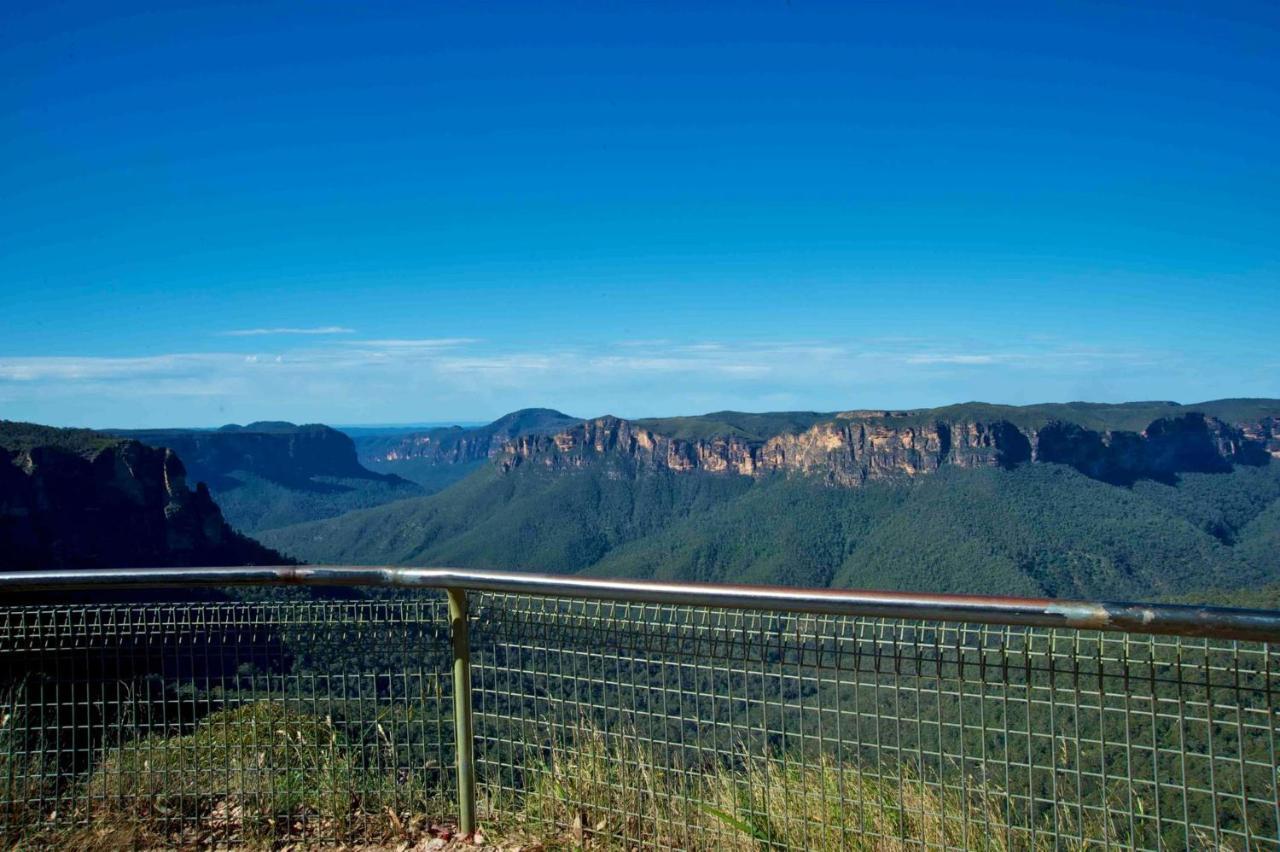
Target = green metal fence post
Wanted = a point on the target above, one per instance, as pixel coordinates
(463, 732)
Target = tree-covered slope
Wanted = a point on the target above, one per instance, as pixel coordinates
(1038, 529)
(537, 520)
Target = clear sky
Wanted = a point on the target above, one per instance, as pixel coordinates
(368, 212)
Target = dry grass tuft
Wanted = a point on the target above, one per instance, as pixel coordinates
(607, 792)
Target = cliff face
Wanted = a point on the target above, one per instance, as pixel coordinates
(458, 445)
(454, 446)
(281, 452)
(121, 504)
(1165, 448)
(858, 447)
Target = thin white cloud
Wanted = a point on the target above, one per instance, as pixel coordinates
(400, 373)
(260, 332)
(60, 368)
(415, 343)
(953, 359)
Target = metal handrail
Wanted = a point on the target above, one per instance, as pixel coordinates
(1125, 617)
(1197, 621)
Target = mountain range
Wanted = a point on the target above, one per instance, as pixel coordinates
(436, 458)
(1089, 500)
(1134, 500)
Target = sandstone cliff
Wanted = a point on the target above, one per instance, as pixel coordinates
(458, 445)
(857, 447)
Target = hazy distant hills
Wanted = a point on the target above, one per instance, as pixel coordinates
(270, 474)
(1131, 500)
(72, 498)
(437, 458)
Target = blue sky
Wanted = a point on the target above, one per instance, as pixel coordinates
(406, 212)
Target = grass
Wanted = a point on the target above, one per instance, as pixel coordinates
(262, 775)
(259, 768)
(253, 776)
(603, 792)
(596, 791)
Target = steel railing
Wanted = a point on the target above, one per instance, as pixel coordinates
(625, 714)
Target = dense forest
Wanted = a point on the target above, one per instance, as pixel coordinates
(1039, 529)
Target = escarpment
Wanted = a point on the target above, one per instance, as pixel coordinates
(857, 447)
(107, 503)
(458, 445)
(278, 451)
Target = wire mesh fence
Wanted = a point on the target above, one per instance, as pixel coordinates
(616, 724)
(684, 727)
(220, 722)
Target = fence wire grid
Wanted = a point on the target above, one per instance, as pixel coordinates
(612, 724)
(207, 723)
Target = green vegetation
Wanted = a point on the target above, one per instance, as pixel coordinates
(535, 520)
(1098, 416)
(428, 474)
(597, 791)
(252, 776)
(251, 503)
(261, 774)
(21, 437)
(734, 424)
(260, 766)
(1035, 530)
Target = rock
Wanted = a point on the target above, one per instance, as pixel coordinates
(859, 447)
(98, 502)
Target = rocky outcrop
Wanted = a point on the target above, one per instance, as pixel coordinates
(845, 451)
(858, 447)
(1263, 433)
(452, 446)
(115, 504)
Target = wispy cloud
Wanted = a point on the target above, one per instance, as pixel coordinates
(351, 378)
(73, 369)
(262, 332)
(460, 355)
(415, 343)
(953, 359)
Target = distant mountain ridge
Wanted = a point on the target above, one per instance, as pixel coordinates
(272, 473)
(437, 458)
(855, 447)
(277, 450)
(1080, 500)
(73, 498)
(458, 444)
